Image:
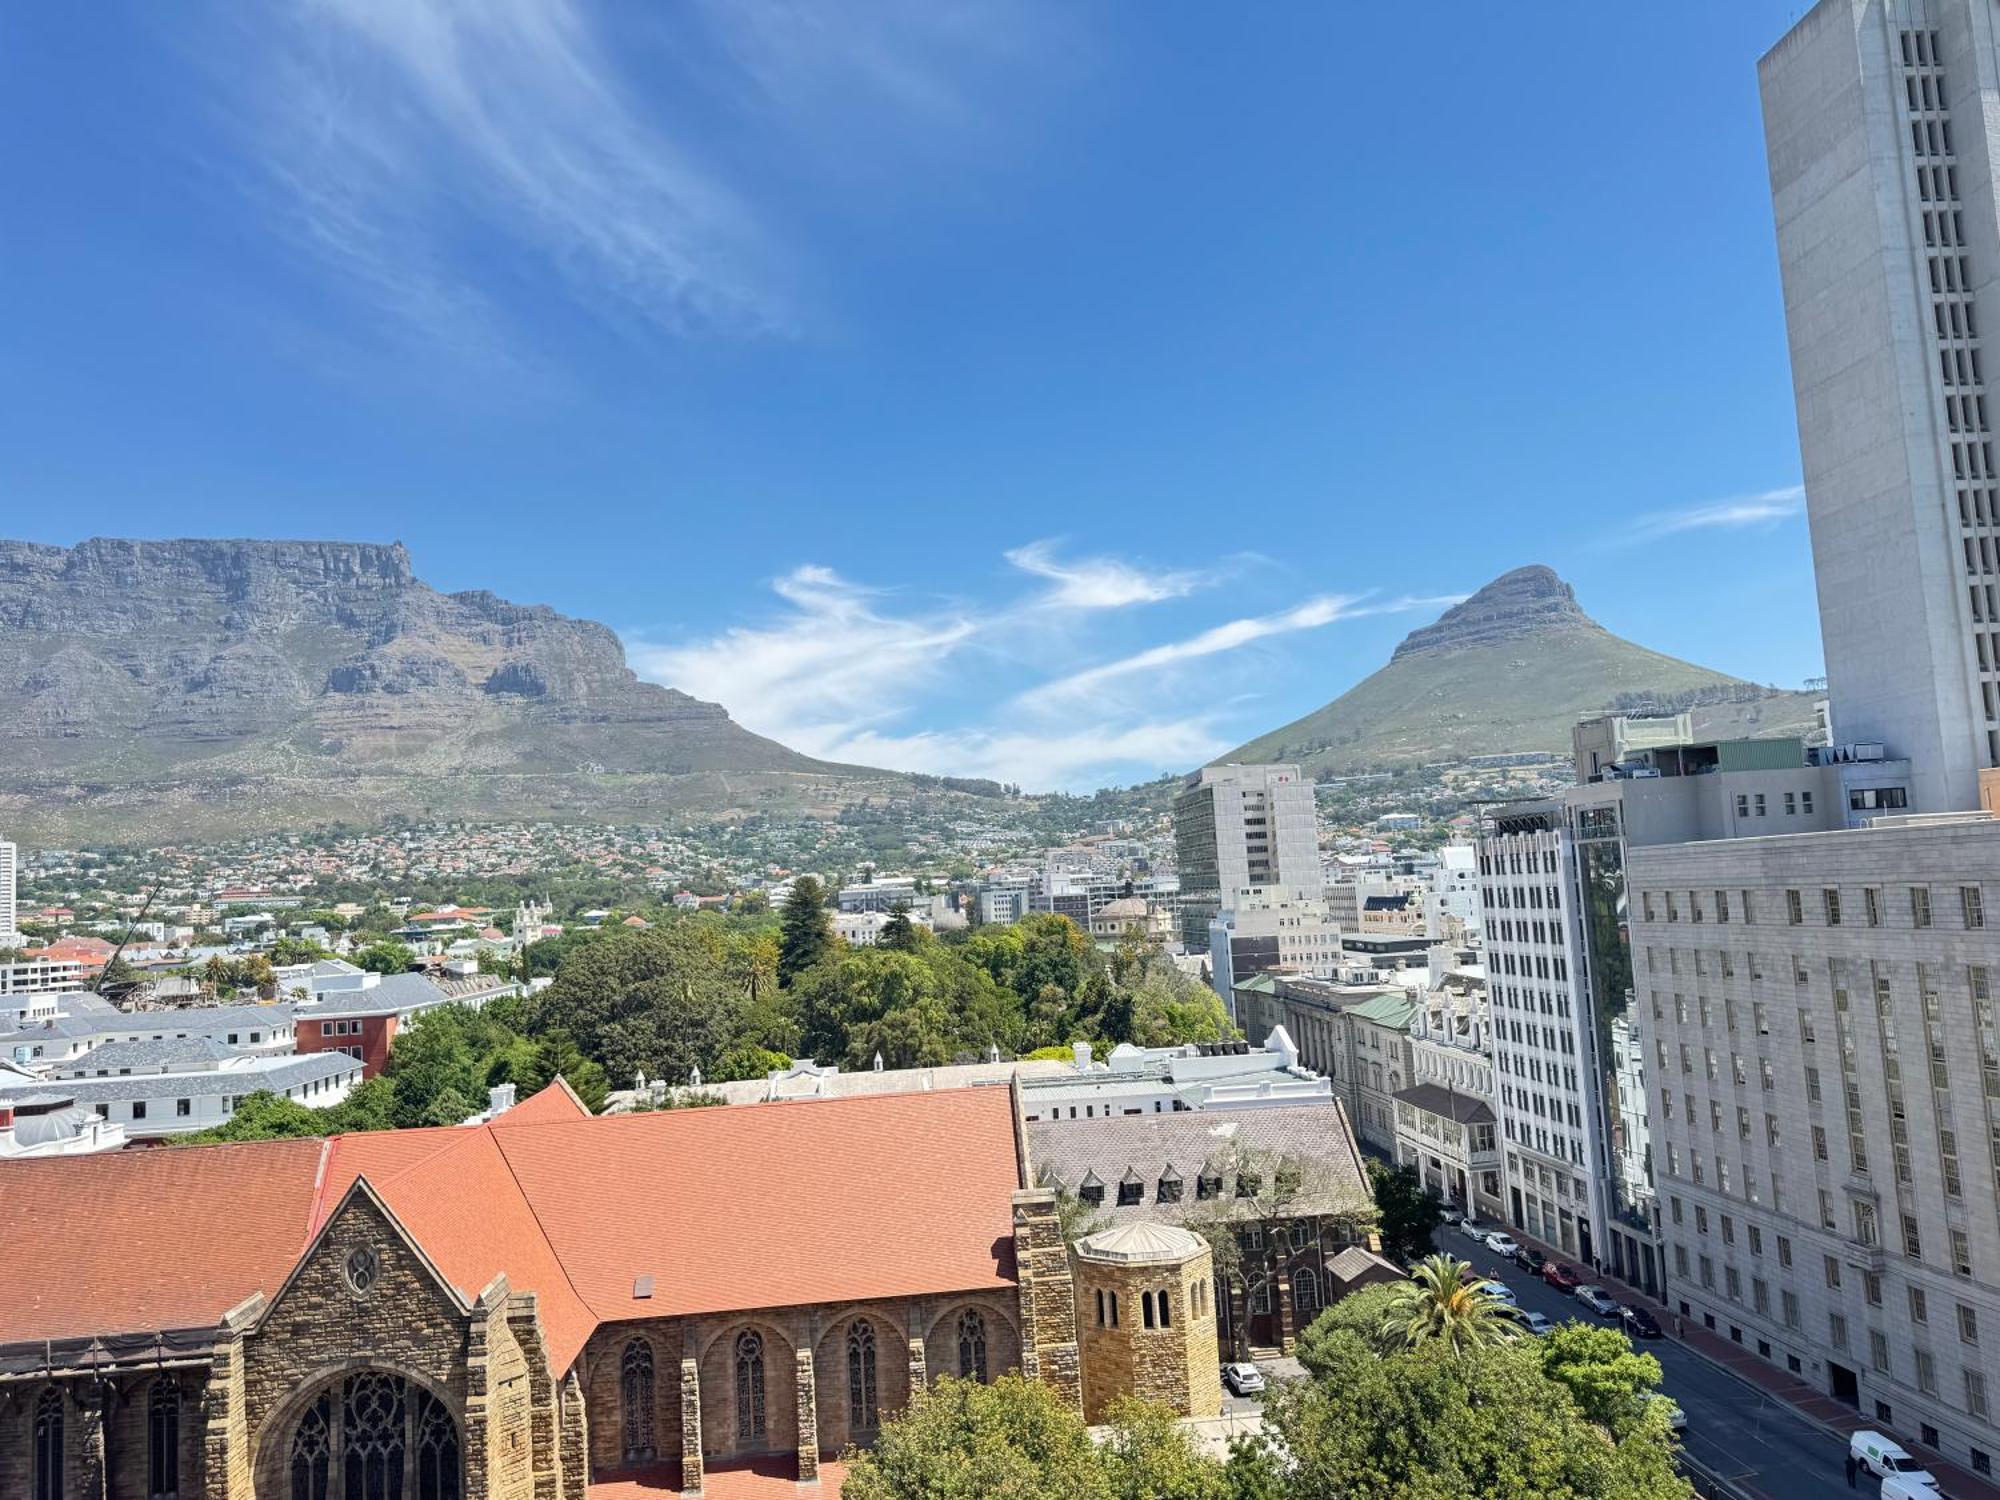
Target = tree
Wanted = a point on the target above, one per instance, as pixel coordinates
(1410, 1215)
(749, 1062)
(1444, 1302)
(1016, 1439)
(1363, 1313)
(385, 958)
(293, 950)
(443, 1062)
(1429, 1423)
(899, 932)
(806, 937)
(1169, 1009)
(1604, 1374)
(656, 1001)
(556, 1056)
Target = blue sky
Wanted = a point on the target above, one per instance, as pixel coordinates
(1056, 392)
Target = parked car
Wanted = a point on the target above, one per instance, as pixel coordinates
(1530, 1261)
(1499, 1291)
(1594, 1298)
(1882, 1456)
(1676, 1418)
(1500, 1242)
(1638, 1323)
(1909, 1487)
(1472, 1230)
(1534, 1322)
(1243, 1379)
(1563, 1278)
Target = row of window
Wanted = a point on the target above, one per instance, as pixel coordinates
(1832, 907)
(48, 1478)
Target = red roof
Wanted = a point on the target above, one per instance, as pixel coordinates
(727, 1208)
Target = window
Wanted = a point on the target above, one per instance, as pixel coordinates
(1968, 1325)
(972, 1342)
(163, 1442)
(1926, 1372)
(1871, 906)
(1961, 1253)
(1830, 898)
(1878, 1350)
(1832, 1271)
(138, 1109)
(1091, 1189)
(1305, 1290)
(863, 1411)
(1131, 1189)
(1789, 1302)
(1919, 1308)
(1795, 911)
(751, 1422)
(1972, 906)
(366, 1452)
(48, 1445)
(635, 1400)
(183, 1107)
(1146, 1308)
(1165, 1307)
(1975, 1392)
(1920, 906)
(1169, 1187)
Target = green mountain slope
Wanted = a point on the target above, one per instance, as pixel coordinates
(1513, 668)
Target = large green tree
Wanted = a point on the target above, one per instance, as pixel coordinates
(660, 1001)
(1016, 1440)
(556, 1056)
(916, 1009)
(806, 937)
(1427, 1423)
(1169, 1009)
(385, 957)
(1410, 1215)
(1602, 1371)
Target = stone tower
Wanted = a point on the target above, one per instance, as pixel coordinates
(1145, 1313)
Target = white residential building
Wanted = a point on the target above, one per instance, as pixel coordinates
(1446, 1124)
(10, 872)
(173, 1087)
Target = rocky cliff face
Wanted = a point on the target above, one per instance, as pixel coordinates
(194, 673)
(1527, 601)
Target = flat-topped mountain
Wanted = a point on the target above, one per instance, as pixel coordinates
(174, 688)
(1513, 668)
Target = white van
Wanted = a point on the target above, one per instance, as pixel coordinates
(1907, 1487)
(1885, 1458)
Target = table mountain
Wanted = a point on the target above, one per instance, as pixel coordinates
(1513, 668)
(176, 688)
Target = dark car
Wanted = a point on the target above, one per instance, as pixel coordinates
(1530, 1261)
(1639, 1323)
(1563, 1278)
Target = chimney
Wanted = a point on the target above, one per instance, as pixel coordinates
(499, 1099)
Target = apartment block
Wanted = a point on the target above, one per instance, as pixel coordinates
(1242, 830)
(1824, 1061)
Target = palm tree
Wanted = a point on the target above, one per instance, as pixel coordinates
(1444, 1300)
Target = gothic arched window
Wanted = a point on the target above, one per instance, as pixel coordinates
(862, 1410)
(749, 1387)
(972, 1346)
(48, 1444)
(163, 1442)
(635, 1400)
(312, 1450)
(357, 1440)
(1305, 1290)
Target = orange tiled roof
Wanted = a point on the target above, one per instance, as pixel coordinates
(724, 1208)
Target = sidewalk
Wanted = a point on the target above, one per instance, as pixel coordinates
(1815, 1405)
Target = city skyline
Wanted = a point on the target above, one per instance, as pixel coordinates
(869, 511)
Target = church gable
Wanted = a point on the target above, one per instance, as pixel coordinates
(364, 1294)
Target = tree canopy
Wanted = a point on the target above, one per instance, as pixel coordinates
(1410, 1215)
(806, 936)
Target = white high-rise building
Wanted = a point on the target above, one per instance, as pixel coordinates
(1877, 121)
(10, 932)
(1242, 831)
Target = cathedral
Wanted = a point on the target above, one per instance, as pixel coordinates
(551, 1303)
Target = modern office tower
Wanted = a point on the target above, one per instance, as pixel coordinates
(1238, 830)
(1876, 122)
(10, 932)
(1257, 933)
(1825, 1061)
(1569, 1048)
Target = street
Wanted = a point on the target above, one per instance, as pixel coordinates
(1740, 1433)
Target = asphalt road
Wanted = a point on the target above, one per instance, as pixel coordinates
(1736, 1430)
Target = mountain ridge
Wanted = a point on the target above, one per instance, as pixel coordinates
(1511, 668)
(212, 685)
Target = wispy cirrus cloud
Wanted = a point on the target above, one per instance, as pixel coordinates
(839, 670)
(1759, 510)
(1230, 636)
(1102, 582)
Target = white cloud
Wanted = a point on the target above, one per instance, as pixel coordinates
(1231, 636)
(840, 667)
(1101, 582)
(1766, 509)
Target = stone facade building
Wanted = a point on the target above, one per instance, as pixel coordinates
(1146, 1314)
(523, 1308)
(1826, 1112)
(1281, 1192)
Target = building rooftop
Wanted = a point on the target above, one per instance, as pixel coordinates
(1141, 1243)
(1447, 1104)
